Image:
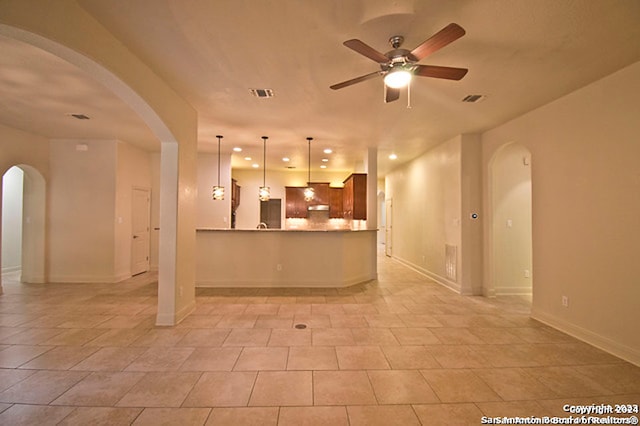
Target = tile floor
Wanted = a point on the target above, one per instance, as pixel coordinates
(398, 351)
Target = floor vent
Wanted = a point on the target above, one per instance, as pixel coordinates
(451, 261)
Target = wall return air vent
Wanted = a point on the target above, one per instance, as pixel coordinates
(262, 93)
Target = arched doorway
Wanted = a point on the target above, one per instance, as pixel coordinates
(23, 223)
(165, 112)
(510, 226)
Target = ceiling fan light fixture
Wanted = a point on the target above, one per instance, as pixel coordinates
(397, 78)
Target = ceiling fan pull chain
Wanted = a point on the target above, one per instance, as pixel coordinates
(409, 95)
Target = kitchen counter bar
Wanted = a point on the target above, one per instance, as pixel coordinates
(284, 258)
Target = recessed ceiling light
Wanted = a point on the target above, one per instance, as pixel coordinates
(237, 149)
(328, 151)
(323, 166)
(393, 157)
(325, 160)
(255, 166)
(247, 158)
(286, 159)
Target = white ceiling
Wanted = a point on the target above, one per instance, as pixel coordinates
(521, 54)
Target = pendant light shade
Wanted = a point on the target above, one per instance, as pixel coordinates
(265, 192)
(308, 191)
(218, 190)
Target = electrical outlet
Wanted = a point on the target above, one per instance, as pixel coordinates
(279, 267)
(565, 301)
(527, 273)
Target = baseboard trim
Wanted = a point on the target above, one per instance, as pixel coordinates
(175, 318)
(431, 275)
(11, 269)
(601, 342)
(513, 291)
(91, 279)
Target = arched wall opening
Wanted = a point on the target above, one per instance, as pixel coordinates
(23, 223)
(54, 27)
(510, 222)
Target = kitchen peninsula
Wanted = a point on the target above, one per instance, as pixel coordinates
(284, 258)
(324, 243)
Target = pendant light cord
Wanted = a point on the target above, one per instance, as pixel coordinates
(264, 160)
(219, 137)
(309, 169)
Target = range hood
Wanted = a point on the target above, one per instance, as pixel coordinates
(319, 208)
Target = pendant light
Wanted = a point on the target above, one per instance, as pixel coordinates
(218, 191)
(308, 191)
(264, 193)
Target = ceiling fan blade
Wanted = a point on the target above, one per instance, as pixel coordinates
(391, 94)
(366, 50)
(355, 80)
(437, 41)
(440, 72)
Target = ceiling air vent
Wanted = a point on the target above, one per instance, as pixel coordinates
(79, 116)
(474, 98)
(262, 93)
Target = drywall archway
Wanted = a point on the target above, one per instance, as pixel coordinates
(68, 31)
(31, 224)
(510, 221)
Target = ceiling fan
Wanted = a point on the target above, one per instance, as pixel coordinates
(399, 65)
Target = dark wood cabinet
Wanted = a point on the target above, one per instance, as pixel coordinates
(235, 195)
(296, 206)
(235, 201)
(354, 197)
(335, 203)
(320, 193)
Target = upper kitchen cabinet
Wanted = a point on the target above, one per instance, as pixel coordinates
(354, 197)
(296, 206)
(320, 194)
(335, 203)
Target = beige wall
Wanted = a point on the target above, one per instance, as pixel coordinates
(19, 147)
(81, 219)
(510, 186)
(427, 206)
(585, 186)
(90, 208)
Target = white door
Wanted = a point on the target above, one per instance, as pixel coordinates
(140, 210)
(388, 230)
